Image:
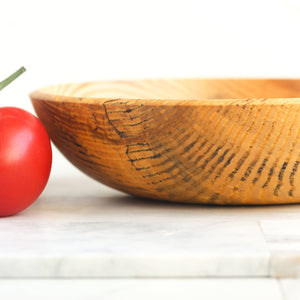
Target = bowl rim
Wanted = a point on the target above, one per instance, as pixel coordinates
(41, 94)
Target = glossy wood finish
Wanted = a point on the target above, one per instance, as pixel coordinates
(197, 141)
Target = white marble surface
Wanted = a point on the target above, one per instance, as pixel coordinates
(290, 289)
(81, 229)
(146, 289)
(283, 239)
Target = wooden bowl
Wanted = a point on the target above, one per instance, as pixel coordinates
(197, 141)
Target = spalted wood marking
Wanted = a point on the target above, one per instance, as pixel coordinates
(219, 141)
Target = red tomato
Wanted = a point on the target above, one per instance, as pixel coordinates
(25, 159)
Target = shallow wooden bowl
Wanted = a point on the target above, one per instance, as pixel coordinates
(198, 141)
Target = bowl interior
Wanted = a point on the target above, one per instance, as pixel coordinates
(177, 89)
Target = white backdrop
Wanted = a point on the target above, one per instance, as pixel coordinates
(65, 41)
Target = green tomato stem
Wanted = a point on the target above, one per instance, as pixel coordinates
(11, 78)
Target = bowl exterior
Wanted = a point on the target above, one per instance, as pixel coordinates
(242, 152)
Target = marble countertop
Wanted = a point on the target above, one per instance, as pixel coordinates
(107, 245)
(81, 229)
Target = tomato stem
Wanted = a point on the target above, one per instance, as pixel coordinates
(11, 78)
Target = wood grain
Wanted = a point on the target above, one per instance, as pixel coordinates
(197, 141)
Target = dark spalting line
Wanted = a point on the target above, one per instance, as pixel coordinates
(239, 164)
(189, 146)
(129, 117)
(145, 111)
(249, 170)
(280, 177)
(171, 139)
(191, 155)
(188, 176)
(214, 197)
(181, 166)
(168, 119)
(116, 120)
(148, 157)
(71, 139)
(182, 141)
(116, 102)
(237, 102)
(146, 149)
(143, 168)
(99, 158)
(163, 188)
(284, 166)
(126, 111)
(95, 119)
(88, 161)
(247, 153)
(98, 125)
(199, 158)
(157, 147)
(140, 150)
(139, 144)
(195, 170)
(82, 152)
(166, 171)
(151, 175)
(263, 100)
(120, 133)
(282, 170)
(260, 169)
(293, 173)
(221, 157)
(213, 167)
(184, 138)
(158, 112)
(139, 123)
(168, 150)
(199, 170)
(266, 159)
(292, 178)
(97, 130)
(185, 174)
(142, 114)
(271, 171)
(172, 187)
(212, 156)
(227, 163)
(294, 170)
(192, 173)
(157, 156)
(129, 110)
(275, 193)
